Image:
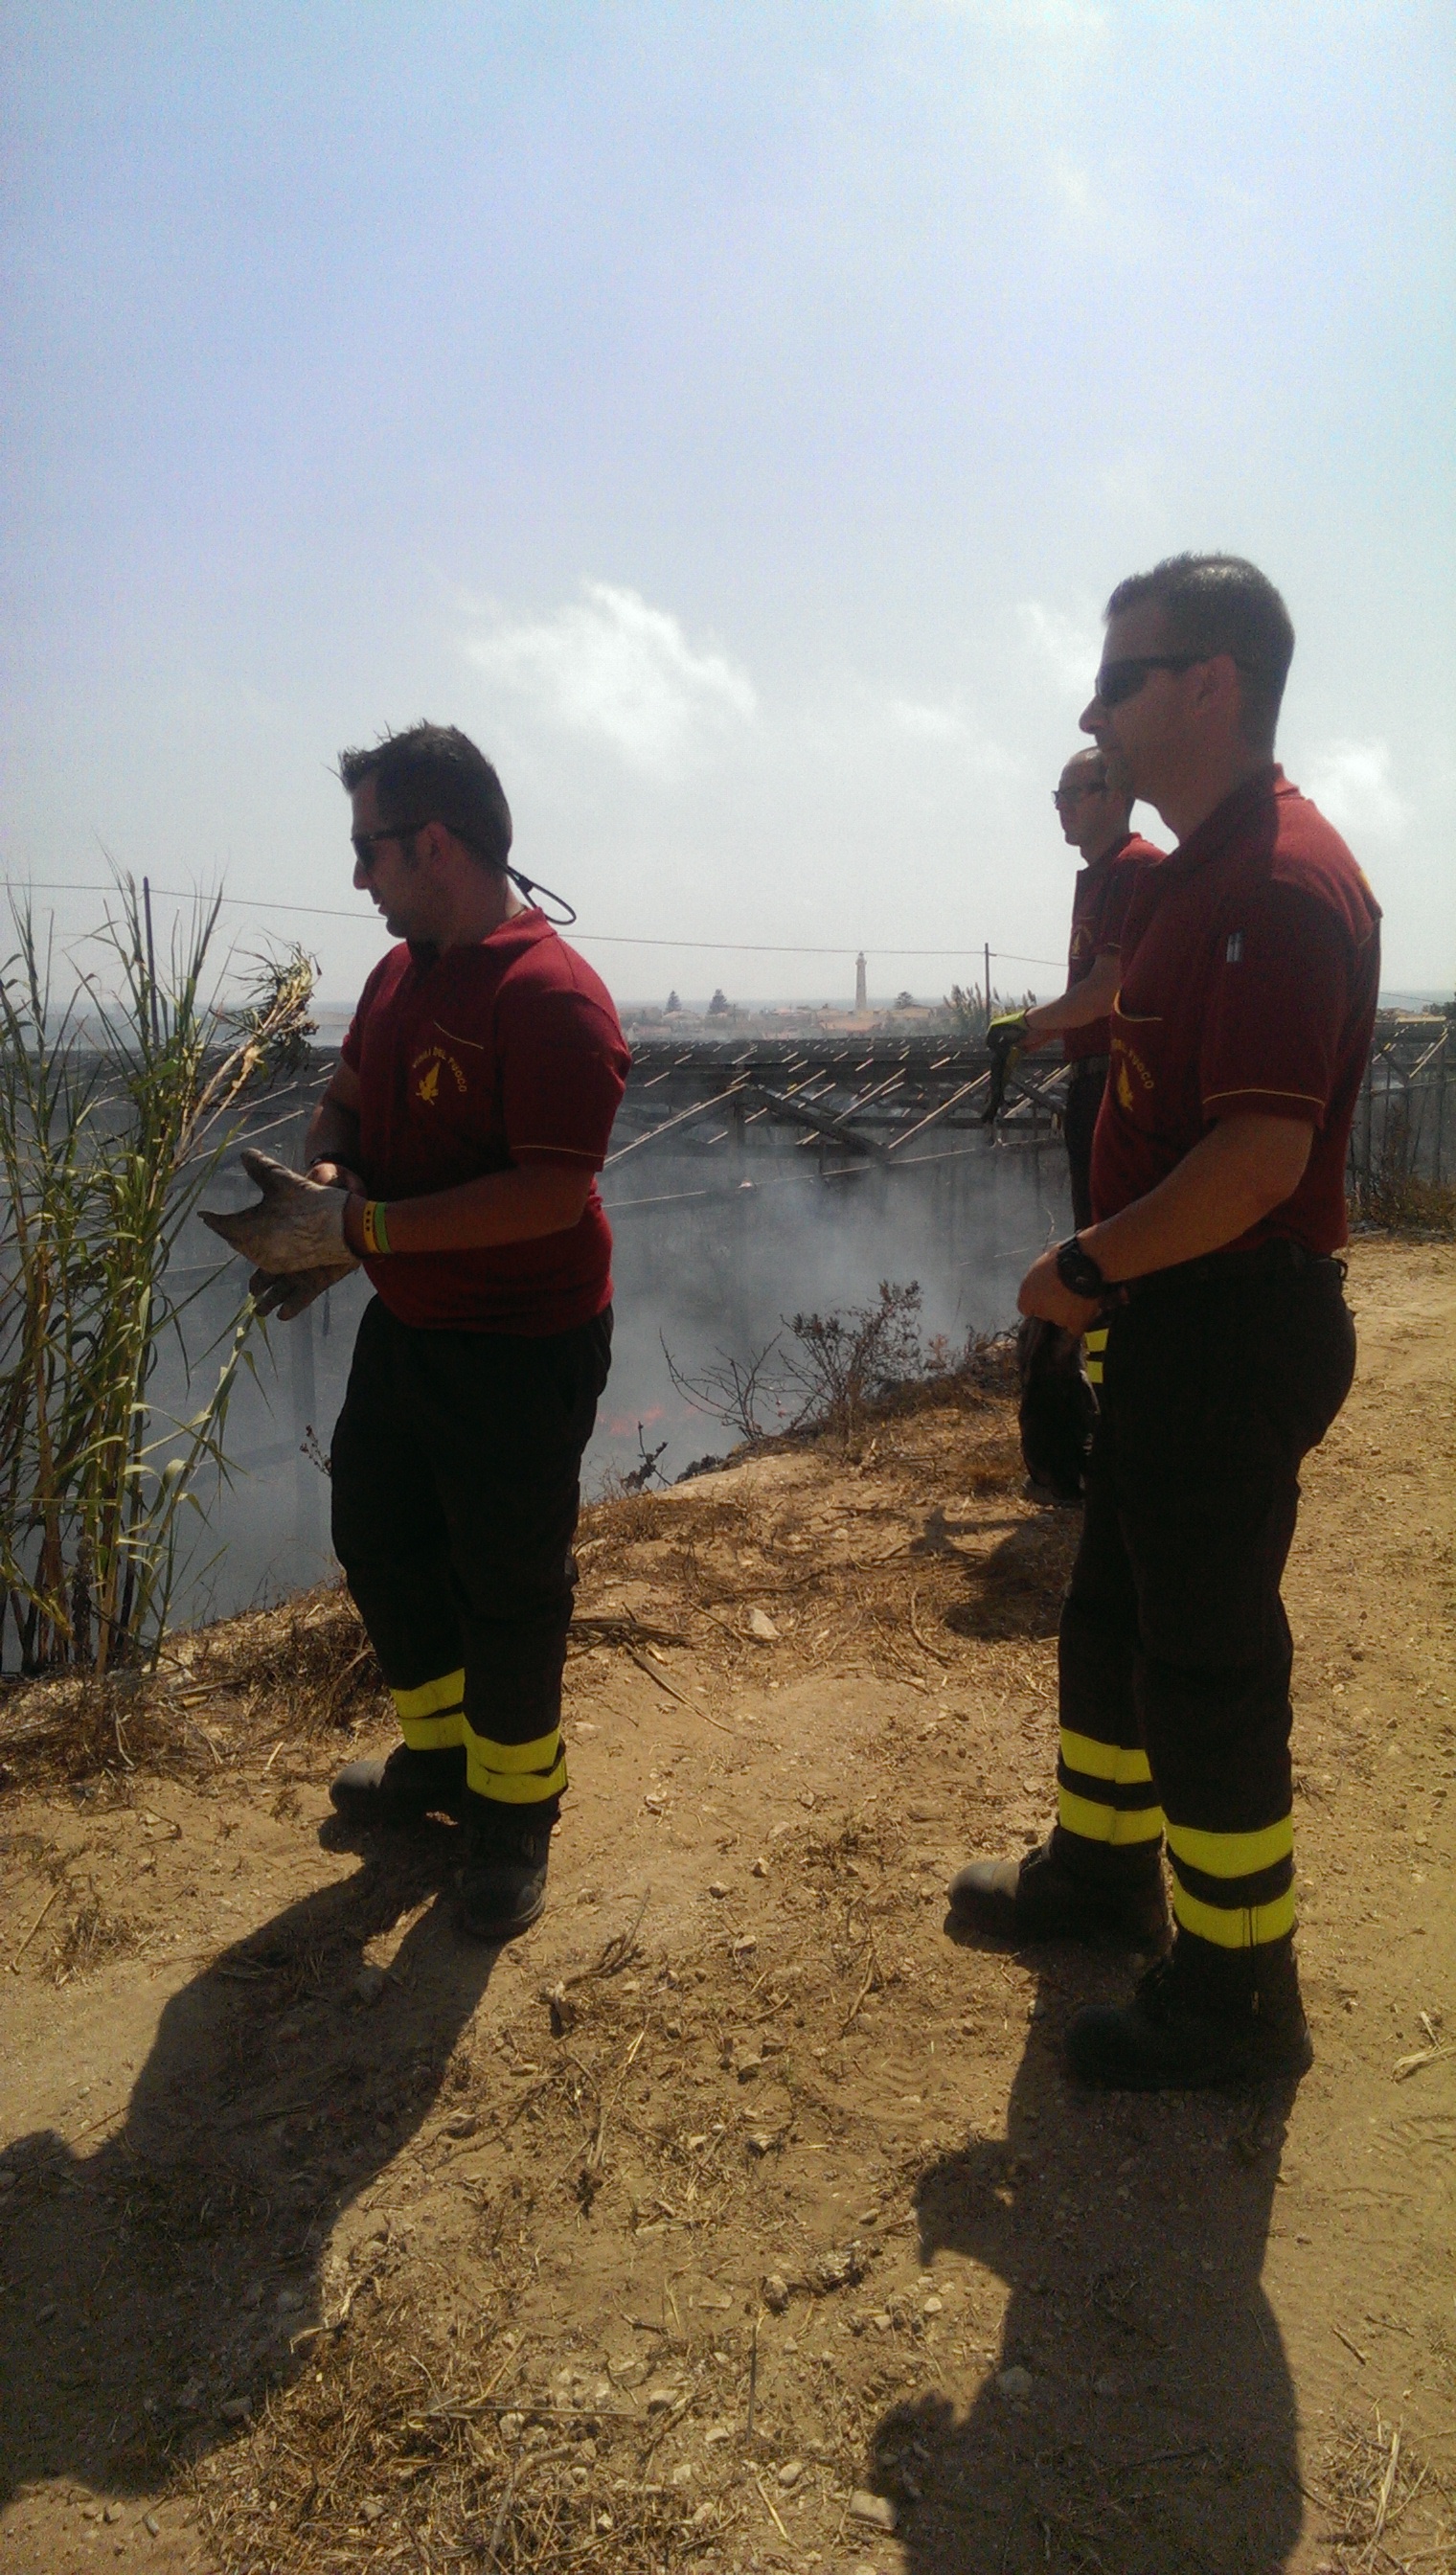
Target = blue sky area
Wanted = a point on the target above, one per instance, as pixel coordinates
(734, 417)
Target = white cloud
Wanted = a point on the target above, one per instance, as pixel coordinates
(1079, 23)
(929, 722)
(1069, 647)
(1138, 483)
(1350, 781)
(945, 726)
(1081, 199)
(612, 667)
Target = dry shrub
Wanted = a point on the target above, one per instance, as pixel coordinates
(91, 1936)
(997, 1467)
(1403, 1203)
(608, 1528)
(621, 1520)
(311, 1659)
(1372, 2478)
(77, 1726)
(306, 1666)
(392, 2450)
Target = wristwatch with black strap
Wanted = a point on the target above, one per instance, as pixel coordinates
(1080, 1273)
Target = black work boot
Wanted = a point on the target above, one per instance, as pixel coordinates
(1202, 2015)
(1042, 1898)
(403, 1789)
(501, 1889)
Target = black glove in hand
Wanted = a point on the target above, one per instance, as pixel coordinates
(1057, 1409)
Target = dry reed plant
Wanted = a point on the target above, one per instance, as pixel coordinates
(116, 1108)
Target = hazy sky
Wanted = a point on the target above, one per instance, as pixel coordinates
(734, 416)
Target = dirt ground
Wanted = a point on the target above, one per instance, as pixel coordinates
(738, 2217)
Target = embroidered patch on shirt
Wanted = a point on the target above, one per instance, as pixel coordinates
(1233, 952)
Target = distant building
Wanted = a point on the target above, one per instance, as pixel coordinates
(861, 989)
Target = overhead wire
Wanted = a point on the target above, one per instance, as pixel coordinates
(583, 938)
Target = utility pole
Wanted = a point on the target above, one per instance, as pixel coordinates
(988, 985)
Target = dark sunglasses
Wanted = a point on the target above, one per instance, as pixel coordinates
(1119, 680)
(363, 844)
(1073, 795)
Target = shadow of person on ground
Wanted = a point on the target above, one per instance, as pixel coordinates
(1139, 2412)
(1017, 1588)
(161, 2283)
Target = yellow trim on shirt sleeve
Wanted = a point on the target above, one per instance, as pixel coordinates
(1265, 1091)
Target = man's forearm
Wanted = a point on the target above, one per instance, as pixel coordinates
(1240, 1171)
(333, 1135)
(1078, 1007)
(503, 1207)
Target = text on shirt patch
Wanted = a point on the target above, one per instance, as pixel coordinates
(429, 1064)
(1233, 952)
(1127, 1060)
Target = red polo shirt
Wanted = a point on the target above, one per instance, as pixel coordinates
(479, 1060)
(1251, 960)
(1100, 900)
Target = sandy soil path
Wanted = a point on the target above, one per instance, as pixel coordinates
(740, 2218)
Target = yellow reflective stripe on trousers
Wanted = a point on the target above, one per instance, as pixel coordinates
(1121, 1761)
(1095, 1343)
(432, 1699)
(1243, 1927)
(431, 1717)
(513, 1757)
(516, 1774)
(1099, 1823)
(1233, 1855)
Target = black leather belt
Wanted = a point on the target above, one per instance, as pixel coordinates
(1259, 1261)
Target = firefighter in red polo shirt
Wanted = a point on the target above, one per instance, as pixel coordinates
(454, 1154)
(1095, 820)
(1208, 1284)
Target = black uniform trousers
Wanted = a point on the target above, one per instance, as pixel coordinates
(1086, 1082)
(1175, 1653)
(456, 1486)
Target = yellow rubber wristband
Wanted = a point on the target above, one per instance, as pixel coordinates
(376, 1230)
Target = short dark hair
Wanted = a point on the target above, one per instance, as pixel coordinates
(435, 773)
(1221, 604)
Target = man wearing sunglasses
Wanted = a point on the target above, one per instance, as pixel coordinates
(1095, 817)
(1209, 1285)
(454, 1154)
